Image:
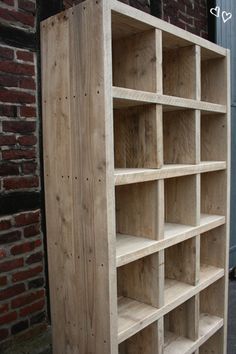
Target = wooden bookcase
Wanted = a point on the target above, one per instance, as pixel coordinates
(136, 131)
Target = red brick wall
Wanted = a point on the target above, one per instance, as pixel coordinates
(22, 276)
(22, 294)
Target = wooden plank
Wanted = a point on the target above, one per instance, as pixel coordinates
(124, 97)
(213, 247)
(137, 210)
(180, 138)
(76, 104)
(130, 248)
(213, 345)
(129, 176)
(138, 137)
(179, 72)
(134, 62)
(181, 200)
(211, 299)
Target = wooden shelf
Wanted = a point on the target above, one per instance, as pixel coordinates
(130, 248)
(208, 325)
(136, 175)
(123, 97)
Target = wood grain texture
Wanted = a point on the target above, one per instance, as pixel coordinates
(78, 163)
(138, 137)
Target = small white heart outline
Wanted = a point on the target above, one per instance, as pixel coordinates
(217, 9)
(226, 16)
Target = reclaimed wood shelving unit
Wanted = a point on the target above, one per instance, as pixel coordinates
(136, 120)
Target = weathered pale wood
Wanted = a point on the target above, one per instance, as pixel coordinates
(137, 210)
(181, 200)
(134, 62)
(78, 163)
(179, 72)
(211, 299)
(214, 344)
(180, 138)
(213, 247)
(138, 137)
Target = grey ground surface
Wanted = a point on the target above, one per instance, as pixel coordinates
(42, 343)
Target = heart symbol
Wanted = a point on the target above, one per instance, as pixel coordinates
(226, 16)
(215, 11)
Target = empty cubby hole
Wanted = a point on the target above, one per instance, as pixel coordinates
(135, 59)
(146, 341)
(137, 209)
(180, 266)
(214, 345)
(213, 193)
(140, 280)
(213, 77)
(179, 67)
(181, 324)
(138, 137)
(213, 243)
(213, 137)
(179, 136)
(180, 202)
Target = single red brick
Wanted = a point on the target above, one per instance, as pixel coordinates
(38, 306)
(14, 16)
(3, 334)
(9, 317)
(10, 265)
(7, 140)
(27, 112)
(17, 68)
(9, 169)
(26, 274)
(27, 83)
(10, 237)
(5, 224)
(28, 167)
(27, 140)
(8, 111)
(26, 5)
(25, 55)
(25, 247)
(20, 182)
(34, 258)
(2, 253)
(4, 308)
(27, 299)
(6, 53)
(27, 218)
(8, 80)
(14, 96)
(18, 126)
(31, 230)
(3, 281)
(12, 291)
(18, 154)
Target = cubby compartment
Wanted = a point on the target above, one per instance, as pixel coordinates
(179, 67)
(180, 137)
(181, 269)
(213, 137)
(213, 77)
(147, 341)
(213, 193)
(213, 245)
(138, 137)
(214, 345)
(181, 328)
(136, 60)
(181, 203)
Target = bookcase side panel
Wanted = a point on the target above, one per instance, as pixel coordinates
(78, 137)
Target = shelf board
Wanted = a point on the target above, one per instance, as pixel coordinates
(175, 344)
(130, 248)
(138, 175)
(133, 315)
(124, 97)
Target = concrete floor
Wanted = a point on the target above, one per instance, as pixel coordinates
(42, 343)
